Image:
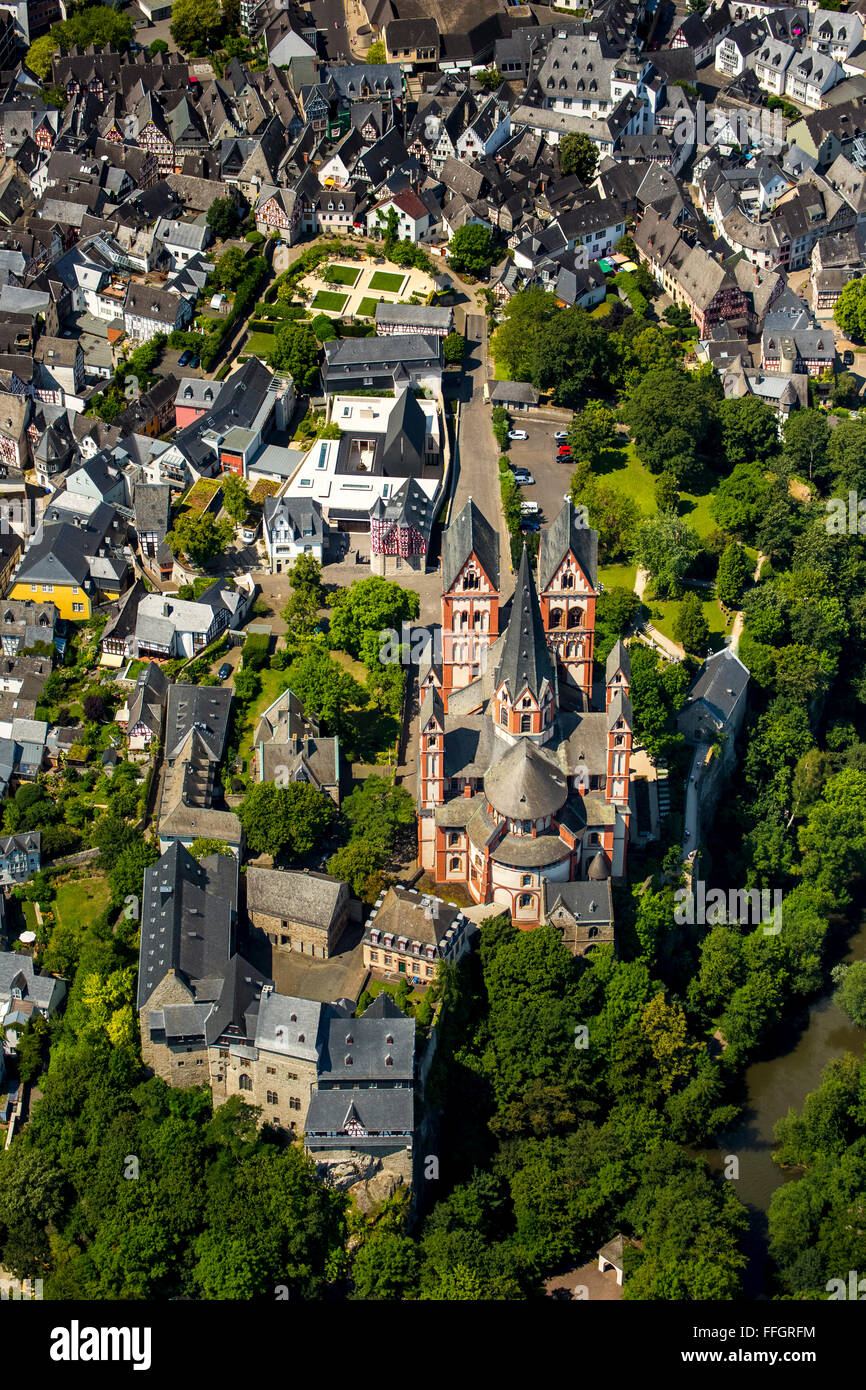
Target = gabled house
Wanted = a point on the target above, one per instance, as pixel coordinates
(148, 310)
(293, 527)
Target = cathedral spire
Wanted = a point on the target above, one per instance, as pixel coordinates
(525, 663)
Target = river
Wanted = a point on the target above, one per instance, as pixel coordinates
(772, 1088)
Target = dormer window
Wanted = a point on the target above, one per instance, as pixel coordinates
(349, 1039)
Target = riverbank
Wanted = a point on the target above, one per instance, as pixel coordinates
(773, 1086)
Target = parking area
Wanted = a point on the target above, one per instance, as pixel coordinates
(538, 455)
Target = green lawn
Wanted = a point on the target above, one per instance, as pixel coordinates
(273, 684)
(500, 371)
(385, 280)
(260, 344)
(624, 470)
(619, 576)
(343, 274)
(81, 900)
(663, 611)
(330, 300)
(367, 308)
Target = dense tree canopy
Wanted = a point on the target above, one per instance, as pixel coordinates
(289, 819)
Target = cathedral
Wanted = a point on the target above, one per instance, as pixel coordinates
(523, 784)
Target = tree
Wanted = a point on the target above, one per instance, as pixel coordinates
(454, 347)
(807, 434)
(158, 46)
(667, 493)
(489, 78)
(671, 414)
(850, 310)
(615, 516)
(851, 994)
(690, 627)
(677, 315)
(573, 358)
(359, 864)
(846, 391)
(202, 847)
(846, 455)
(288, 820)
(199, 537)
(578, 155)
(229, 269)
(749, 429)
(472, 249)
(666, 547)
(324, 329)
(328, 691)
(376, 52)
(236, 497)
(365, 611)
(592, 431)
(195, 21)
(525, 320)
(296, 351)
(377, 810)
(40, 56)
(386, 1267)
(833, 838)
(741, 500)
(733, 575)
(94, 708)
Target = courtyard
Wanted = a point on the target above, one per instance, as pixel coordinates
(362, 286)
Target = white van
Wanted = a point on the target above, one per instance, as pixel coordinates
(529, 508)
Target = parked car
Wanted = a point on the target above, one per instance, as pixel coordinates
(185, 358)
(517, 434)
(530, 523)
(563, 450)
(529, 508)
(848, 358)
(224, 671)
(248, 534)
(523, 478)
(561, 436)
(194, 360)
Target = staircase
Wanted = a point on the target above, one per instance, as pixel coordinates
(663, 792)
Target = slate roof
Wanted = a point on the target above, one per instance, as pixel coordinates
(381, 1113)
(564, 535)
(187, 918)
(203, 709)
(307, 897)
(366, 1042)
(718, 685)
(470, 533)
(525, 662)
(525, 784)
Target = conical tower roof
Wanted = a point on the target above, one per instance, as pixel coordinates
(525, 662)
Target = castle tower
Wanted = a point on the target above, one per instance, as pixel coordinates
(567, 583)
(617, 672)
(524, 701)
(470, 598)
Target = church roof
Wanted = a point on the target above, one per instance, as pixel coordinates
(565, 534)
(470, 533)
(525, 662)
(524, 784)
(618, 660)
